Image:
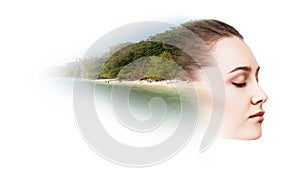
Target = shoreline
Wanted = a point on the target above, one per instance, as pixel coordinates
(173, 85)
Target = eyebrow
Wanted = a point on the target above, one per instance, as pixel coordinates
(244, 68)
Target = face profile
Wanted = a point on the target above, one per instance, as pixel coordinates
(243, 114)
(244, 97)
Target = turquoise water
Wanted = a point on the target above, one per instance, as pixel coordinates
(139, 99)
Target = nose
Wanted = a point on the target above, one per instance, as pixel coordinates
(259, 96)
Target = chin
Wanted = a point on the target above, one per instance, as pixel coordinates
(246, 134)
(251, 134)
(252, 137)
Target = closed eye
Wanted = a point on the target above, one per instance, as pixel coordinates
(239, 84)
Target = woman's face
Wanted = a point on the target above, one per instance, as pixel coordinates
(244, 97)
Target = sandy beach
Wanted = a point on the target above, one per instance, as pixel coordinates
(164, 85)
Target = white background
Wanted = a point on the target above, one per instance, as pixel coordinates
(39, 139)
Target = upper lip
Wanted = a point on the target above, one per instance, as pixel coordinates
(259, 113)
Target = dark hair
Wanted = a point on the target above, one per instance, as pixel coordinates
(210, 32)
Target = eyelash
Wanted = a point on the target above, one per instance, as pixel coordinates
(239, 84)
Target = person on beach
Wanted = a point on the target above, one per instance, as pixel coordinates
(244, 97)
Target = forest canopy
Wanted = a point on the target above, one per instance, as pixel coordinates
(146, 59)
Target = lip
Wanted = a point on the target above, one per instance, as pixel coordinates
(258, 116)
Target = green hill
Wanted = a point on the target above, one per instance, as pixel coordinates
(145, 59)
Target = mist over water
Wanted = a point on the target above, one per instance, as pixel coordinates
(138, 102)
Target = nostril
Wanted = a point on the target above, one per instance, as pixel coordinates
(256, 100)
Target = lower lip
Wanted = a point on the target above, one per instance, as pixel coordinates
(258, 118)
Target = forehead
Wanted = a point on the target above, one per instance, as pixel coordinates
(233, 52)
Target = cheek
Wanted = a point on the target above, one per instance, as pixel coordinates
(237, 103)
(236, 109)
